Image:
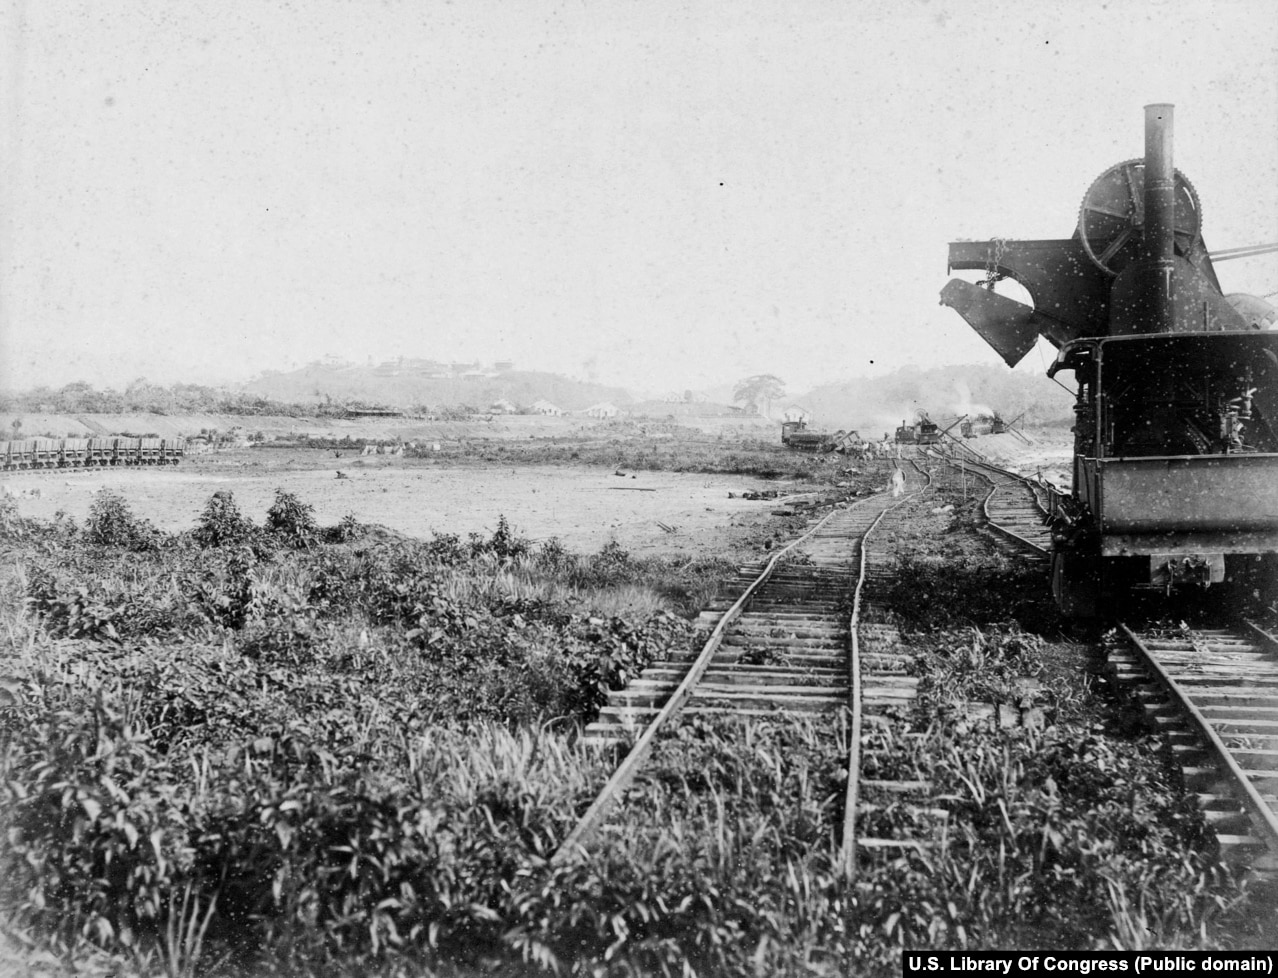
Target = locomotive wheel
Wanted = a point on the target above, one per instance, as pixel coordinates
(1111, 221)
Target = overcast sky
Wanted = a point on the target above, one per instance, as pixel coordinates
(659, 193)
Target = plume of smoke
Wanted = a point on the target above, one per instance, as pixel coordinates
(964, 404)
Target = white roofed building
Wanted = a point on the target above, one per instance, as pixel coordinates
(796, 413)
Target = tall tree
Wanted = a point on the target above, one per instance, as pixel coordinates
(761, 387)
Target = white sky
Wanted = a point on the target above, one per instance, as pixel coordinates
(667, 194)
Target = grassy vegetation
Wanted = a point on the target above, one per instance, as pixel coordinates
(281, 748)
(280, 727)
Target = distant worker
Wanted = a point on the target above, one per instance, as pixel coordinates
(898, 482)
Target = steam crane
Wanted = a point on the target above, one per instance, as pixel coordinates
(1175, 474)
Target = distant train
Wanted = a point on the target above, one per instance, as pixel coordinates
(796, 437)
(922, 432)
(63, 453)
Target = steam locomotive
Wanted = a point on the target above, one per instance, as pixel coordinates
(922, 432)
(1175, 468)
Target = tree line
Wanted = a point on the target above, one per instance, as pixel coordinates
(141, 396)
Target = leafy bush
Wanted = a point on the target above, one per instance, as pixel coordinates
(111, 523)
(291, 519)
(94, 823)
(222, 523)
(74, 611)
(347, 530)
(611, 563)
(13, 526)
(553, 556)
(227, 594)
(505, 543)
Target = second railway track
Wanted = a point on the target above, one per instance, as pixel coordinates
(1014, 506)
(1213, 693)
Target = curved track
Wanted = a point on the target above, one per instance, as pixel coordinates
(1214, 694)
(789, 645)
(1015, 506)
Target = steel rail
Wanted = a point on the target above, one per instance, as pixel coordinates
(983, 463)
(629, 768)
(1251, 799)
(847, 855)
(995, 525)
(1265, 638)
(994, 487)
(1025, 480)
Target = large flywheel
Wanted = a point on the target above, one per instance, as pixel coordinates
(1111, 221)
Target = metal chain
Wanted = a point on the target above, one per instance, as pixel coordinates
(992, 274)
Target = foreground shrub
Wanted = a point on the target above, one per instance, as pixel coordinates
(222, 523)
(111, 523)
(94, 823)
(505, 543)
(291, 519)
(13, 526)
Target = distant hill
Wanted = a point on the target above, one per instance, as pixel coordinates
(878, 405)
(408, 388)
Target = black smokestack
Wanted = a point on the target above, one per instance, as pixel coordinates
(1160, 217)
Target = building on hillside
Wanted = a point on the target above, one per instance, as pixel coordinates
(545, 407)
(423, 367)
(501, 406)
(796, 413)
(603, 409)
(504, 366)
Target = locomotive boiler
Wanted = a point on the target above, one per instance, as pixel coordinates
(1175, 468)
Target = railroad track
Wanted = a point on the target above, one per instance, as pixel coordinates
(1014, 508)
(1214, 695)
(1212, 692)
(790, 645)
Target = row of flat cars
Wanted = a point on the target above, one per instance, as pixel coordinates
(61, 453)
